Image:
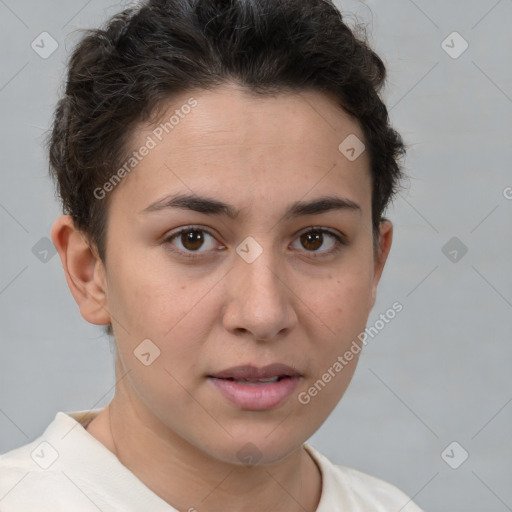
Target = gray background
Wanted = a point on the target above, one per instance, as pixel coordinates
(438, 373)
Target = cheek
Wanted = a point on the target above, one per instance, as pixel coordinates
(160, 304)
(147, 297)
(341, 306)
(342, 300)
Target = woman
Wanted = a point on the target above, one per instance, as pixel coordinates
(224, 168)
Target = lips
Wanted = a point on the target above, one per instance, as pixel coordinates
(256, 389)
(271, 373)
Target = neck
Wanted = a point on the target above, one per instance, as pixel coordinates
(189, 479)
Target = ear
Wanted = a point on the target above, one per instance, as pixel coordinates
(85, 273)
(382, 252)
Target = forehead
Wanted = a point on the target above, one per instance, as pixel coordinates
(230, 113)
(231, 142)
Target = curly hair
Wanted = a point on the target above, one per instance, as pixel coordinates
(122, 74)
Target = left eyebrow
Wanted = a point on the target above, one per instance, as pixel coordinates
(215, 207)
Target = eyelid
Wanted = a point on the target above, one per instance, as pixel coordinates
(322, 229)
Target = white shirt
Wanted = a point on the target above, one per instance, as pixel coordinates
(66, 469)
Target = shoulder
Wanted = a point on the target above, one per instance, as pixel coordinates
(31, 474)
(22, 478)
(360, 491)
(376, 491)
(66, 468)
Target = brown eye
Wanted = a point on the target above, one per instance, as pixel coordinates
(192, 240)
(312, 240)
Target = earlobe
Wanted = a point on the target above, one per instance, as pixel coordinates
(382, 253)
(83, 269)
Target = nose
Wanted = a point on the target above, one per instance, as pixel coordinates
(260, 300)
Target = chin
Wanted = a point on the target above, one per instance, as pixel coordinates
(254, 446)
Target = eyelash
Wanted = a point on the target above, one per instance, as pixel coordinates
(340, 241)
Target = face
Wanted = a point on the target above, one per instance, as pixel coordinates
(230, 297)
